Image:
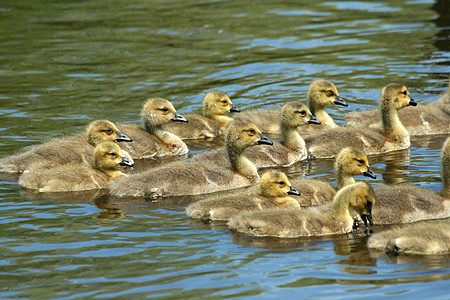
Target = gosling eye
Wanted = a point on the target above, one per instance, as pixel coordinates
(224, 101)
(109, 131)
(113, 154)
(251, 131)
(302, 113)
(405, 93)
(282, 183)
(360, 161)
(329, 93)
(165, 110)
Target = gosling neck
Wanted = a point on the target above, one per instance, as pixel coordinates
(340, 208)
(240, 163)
(285, 200)
(342, 176)
(291, 137)
(111, 173)
(156, 130)
(393, 128)
(222, 120)
(319, 112)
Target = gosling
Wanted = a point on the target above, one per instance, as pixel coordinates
(193, 178)
(431, 119)
(349, 162)
(107, 157)
(394, 136)
(329, 219)
(213, 122)
(150, 139)
(274, 189)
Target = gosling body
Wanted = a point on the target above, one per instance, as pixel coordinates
(393, 137)
(150, 139)
(423, 238)
(107, 159)
(212, 123)
(329, 219)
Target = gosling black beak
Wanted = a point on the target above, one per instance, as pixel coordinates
(126, 162)
(412, 102)
(340, 101)
(366, 218)
(264, 140)
(369, 173)
(123, 137)
(293, 191)
(179, 118)
(313, 120)
(234, 109)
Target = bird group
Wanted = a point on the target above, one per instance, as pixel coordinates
(271, 205)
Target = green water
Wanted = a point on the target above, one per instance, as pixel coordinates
(65, 63)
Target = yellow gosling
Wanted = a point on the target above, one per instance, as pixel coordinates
(107, 159)
(274, 189)
(328, 219)
(150, 139)
(213, 122)
(193, 178)
(393, 137)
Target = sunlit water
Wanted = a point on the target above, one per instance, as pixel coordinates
(64, 63)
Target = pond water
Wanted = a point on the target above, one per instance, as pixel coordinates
(64, 63)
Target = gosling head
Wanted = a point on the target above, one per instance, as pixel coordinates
(397, 96)
(295, 114)
(216, 103)
(274, 183)
(362, 201)
(104, 130)
(323, 92)
(109, 157)
(354, 162)
(157, 112)
(243, 134)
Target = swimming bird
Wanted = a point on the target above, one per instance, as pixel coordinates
(107, 159)
(274, 190)
(430, 119)
(422, 238)
(405, 203)
(213, 122)
(349, 162)
(328, 219)
(77, 148)
(150, 139)
(193, 178)
(290, 151)
(394, 96)
(320, 94)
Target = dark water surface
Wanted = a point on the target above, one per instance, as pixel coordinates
(64, 63)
